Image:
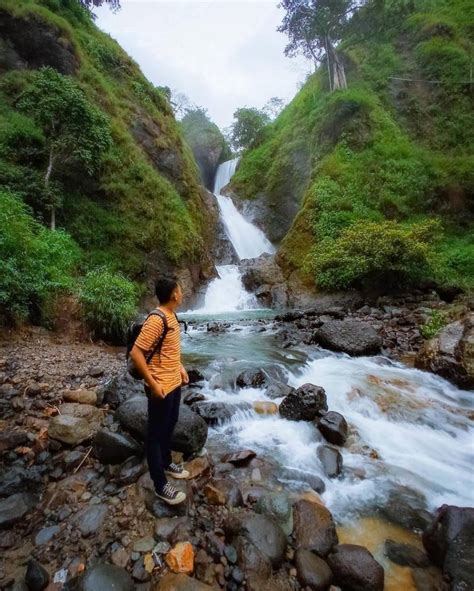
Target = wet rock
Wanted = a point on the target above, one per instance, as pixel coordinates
(180, 559)
(46, 534)
(217, 412)
(15, 507)
(264, 407)
(195, 376)
(312, 570)
(278, 506)
(80, 396)
(262, 531)
(114, 448)
(260, 271)
(216, 327)
(213, 495)
(355, 568)
(198, 467)
(429, 579)
(120, 388)
(406, 507)
(333, 426)
(251, 559)
(313, 528)
(312, 480)
(304, 404)
(239, 458)
(174, 582)
(36, 577)
(450, 354)
(277, 389)
(349, 336)
(91, 519)
(106, 576)
(405, 554)
(69, 429)
(449, 541)
(225, 492)
(331, 459)
(251, 378)
(12, 438)
(193, 396)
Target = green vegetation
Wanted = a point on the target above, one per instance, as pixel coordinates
(382, 161)
(247, 127)
(432, 327)
(89, 139)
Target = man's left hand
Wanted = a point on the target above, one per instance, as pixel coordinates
(184, 376)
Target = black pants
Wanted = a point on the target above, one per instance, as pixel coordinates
(162, 417)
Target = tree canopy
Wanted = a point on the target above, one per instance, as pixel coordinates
(248, 125)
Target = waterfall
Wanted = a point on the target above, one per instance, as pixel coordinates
(226, 293)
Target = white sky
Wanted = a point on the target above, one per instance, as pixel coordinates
(223, 54)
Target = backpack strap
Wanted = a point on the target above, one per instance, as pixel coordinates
(161, 338)
(182, 322)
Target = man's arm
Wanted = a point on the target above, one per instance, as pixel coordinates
(139, 359)
(184, 375)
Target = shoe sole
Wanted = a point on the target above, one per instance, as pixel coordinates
(178, 476)
(170, 501)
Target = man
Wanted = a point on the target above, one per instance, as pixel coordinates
(163, 375)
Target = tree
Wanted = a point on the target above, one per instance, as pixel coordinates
(314, 28)
(91, 4)
(273, 107)
(75, 131)
(248, 125)
(181, 104)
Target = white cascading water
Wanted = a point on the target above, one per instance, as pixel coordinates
(226, 293)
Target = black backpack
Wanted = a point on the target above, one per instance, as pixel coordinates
(132, 334)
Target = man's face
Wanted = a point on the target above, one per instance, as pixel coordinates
(178, 294)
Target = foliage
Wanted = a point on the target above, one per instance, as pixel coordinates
(109, 302)
(202, 135)
(432, 326)
(247, 127)
(35, 263)
(370, 254)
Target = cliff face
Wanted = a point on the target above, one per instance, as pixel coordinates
(144, 209)
(392, 147)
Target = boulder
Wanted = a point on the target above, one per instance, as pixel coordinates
(278, 506)
(114, 448)
(449, 542)
(133, 415)
(175, 582)
(313, 528)
(131, 470)
(312, 571)
(349, 336)
(262, 531)
(331, 460)
(355, 569)
(405, 554)
(195, 376)
(36, 577)
(120, 388)
(91, 519)
(304, 404)
(223, 492)
(216, 412)
(69, 429)
(260, 271)
(251, 559)
(251, 378)
(450, 354)
(277, 389)
(333, 426)
(406, 507)
(83, 411)
(106, 576)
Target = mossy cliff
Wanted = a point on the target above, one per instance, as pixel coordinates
(375, 183)
(142, 209)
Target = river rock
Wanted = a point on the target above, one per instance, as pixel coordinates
(262, 531)
(131, 470)
(449, 542)
(15, 507)
(165, 527)
(331, 460)
(333, 426)
(193, 396)
(349, 336)
(312, 570)
(80, 396)
(180, 559)
(239, 458)
(304, 404)
(83, 411)
(91, 519)
(133, 415)
(265, 407)
(223, 492)
(175, 582)
(195, 376)
(407, 507)
(46, 534)
(259, 271)
(106, 576)
(120, 388)
(313, 528)
(278, 506)
(450, 354)
(114, 448)
(277, 389)
(251, 559)
(405, 554)
(69, 429)
(12, 438)
(161, 509)
(15, 479)
(429, 579)
(251, 378)
(36, 577)
(355, 569)
(217, 412)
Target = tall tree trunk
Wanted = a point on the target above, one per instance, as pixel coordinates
(49, 170)
(339, 81)
(328, 61)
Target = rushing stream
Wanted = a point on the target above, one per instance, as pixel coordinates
(407, 427)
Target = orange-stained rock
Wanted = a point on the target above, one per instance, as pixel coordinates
(214, 496)
(198, 466)
(265, 407)
(180, 558)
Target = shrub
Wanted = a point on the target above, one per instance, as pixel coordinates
(432, 326)
(370, 254)
(109, 301)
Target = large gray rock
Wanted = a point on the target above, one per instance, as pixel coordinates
(120, 388)
(69, 429)
(304, 404)
(331, 459)
(333, 426)
(114, 448)
(355, 569)
(189, 435)
(262, 531)
(106, 576)
(451, 353)
(15, 507)
(449, 542)
(349, 336)
(91, 519)
(313, 571)
(313, 527)
(278, 506)
(214, 412)
(261, 271)
(407, 507)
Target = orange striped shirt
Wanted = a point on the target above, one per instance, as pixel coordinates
(165, 367)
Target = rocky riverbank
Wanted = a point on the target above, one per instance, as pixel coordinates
(76, 505)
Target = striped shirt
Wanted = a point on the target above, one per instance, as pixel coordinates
(165, 367)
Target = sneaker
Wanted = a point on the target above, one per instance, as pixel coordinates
(171, 495)
(177, 471)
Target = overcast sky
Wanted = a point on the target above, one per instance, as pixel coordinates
(223, 54)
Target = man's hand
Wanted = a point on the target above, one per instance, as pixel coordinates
(184, 375)
(157, 390)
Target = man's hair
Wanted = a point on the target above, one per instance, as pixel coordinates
(164, 287)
